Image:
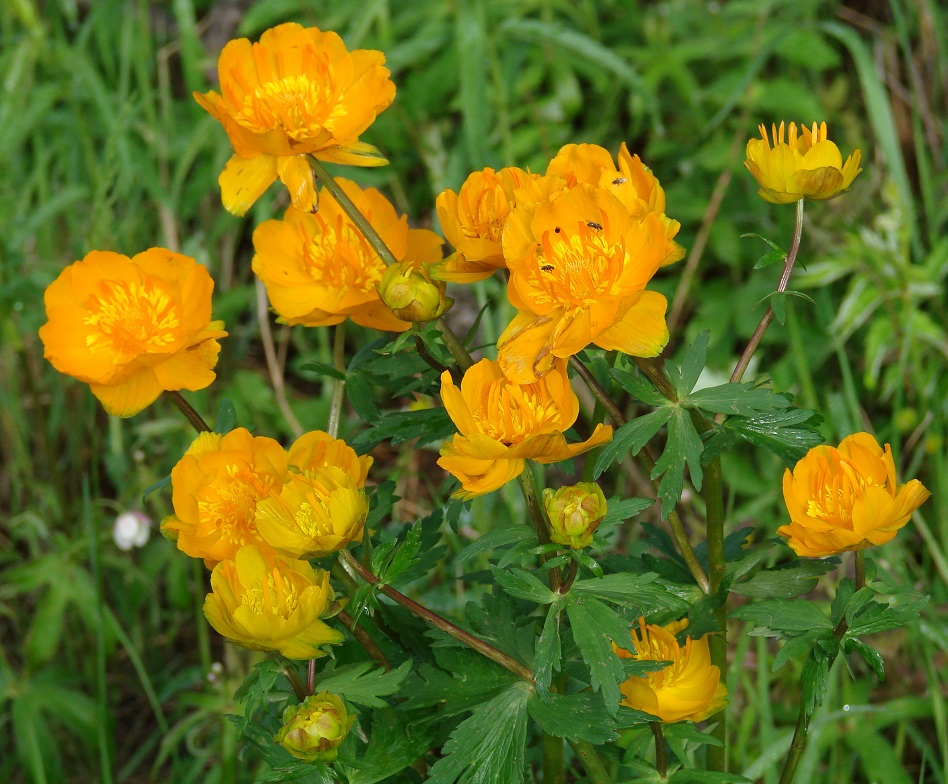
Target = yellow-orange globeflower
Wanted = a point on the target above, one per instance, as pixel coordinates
(132, 328)
(846, 498)
(319, 270)
(297, 92)
(688, 689)
(473, 222)
(318, 449)
(216, 488)
(630, 180)
(267, 603)
(501, 424)
(315, 513)
(579, 264)
(804, 165)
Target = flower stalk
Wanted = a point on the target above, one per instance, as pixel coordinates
(486, 649)
(714, 505)
(194, 418)
(768, 316)
(661, 763)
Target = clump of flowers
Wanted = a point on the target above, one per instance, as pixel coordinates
(802, 164)
(688, 689)
(261, 601)
(319, 269)
(313, 730)
(501, 424)
(132, 328)
(846, 498)
(297, 92)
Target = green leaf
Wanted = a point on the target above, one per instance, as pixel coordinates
(869, 655)
(778, 303)
(523, 585)
(254, 692)
(778, 431)
(594, 627)
(574, 716)
(706, 777)
(769, 258)
(462, 680)
(869, 617)
(631, 437)
(358, 685)
(687, 731)
(226, 417)
(639, 388)
(487, 747)
(691, 366)
(743, 399)
(813, 679)
(682, 448)
(549, 649)
(639, 592)
(495, 540)
(785, 581)
(794, 646)
(322, 369)
(618, 509)
(403, 557)
(782, 617)
(394, 744)
(427, 425)
(361, 398)
(771, 243)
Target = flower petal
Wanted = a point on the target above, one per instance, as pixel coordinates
(244, 180)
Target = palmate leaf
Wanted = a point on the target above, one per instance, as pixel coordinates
(782, 617)
(488, 746)
(682, 448)
(427, 425)
(789, 434)
(548, 655)
(358, 685)
(595, 625)
(393, 746)
(462, 680)
(580, 716)
(638, 592)
(785, 581)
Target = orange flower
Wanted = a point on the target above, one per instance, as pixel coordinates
(846, 498)
(579, 264)
(501, 424)
(216, 487)
(266, 603)
(688, 689)
(473, 221)
(631, 181)
(320, 270)
(807, 167)
(298, 92)
(317, 449)
(132, 328)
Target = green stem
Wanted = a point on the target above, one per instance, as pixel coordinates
(661, 764)
(451, 341)
(486, 649)
(754, 342)
(338, 384)
(531, 495)
(714, 503)
(295, 683)
(553, 772)
(798, 743)
(674, 520)
(592, 762)
(189, 413)
(370, 646)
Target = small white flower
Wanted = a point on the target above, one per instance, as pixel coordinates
(131, 530)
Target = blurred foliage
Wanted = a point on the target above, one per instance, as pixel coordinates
(106, 667)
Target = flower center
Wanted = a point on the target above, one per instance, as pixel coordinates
(836, 491)
(510, 413)
(230, 506)
(301, 106)
(131, 318)
(338, 256)
(278, 598)
(577, 268)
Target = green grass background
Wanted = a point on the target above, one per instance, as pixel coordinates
(107, 669)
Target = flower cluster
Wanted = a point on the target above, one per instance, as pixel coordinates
(251, 510)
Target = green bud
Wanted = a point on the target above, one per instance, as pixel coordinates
(575, 512)
(313, 730)
(408, 289)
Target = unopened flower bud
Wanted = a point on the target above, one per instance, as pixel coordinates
(313, 730)
(574, 512)
(408, 289)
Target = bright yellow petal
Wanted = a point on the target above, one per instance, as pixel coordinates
(297, 176)
(129, 397)
(357, 154)
(244, 180)
(642, 332)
